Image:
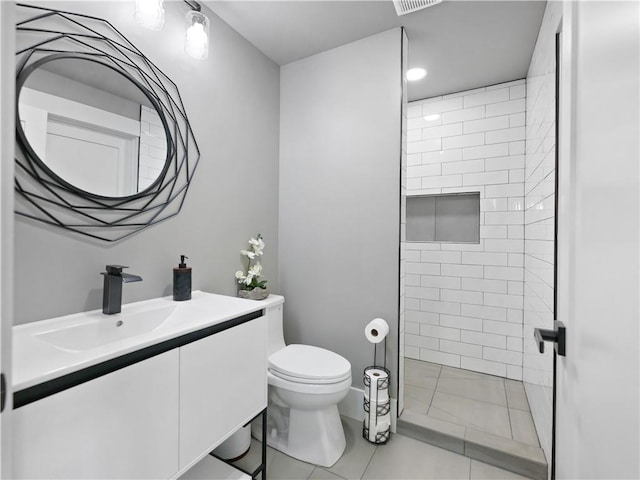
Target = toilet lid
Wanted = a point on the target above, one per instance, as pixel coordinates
(305, 362)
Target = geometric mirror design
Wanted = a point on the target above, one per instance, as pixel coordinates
(69, 62)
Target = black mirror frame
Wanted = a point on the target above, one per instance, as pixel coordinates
(33, 156)
(45, 197)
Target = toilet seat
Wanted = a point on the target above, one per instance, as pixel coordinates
(308, 381)
(313, 389)
(309, 365)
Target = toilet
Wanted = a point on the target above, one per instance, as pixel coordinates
(305, 385)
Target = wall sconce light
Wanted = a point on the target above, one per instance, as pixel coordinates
(196, 39)
(150, 14)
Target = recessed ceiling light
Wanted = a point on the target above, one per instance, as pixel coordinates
(414, 74)
(432, 117)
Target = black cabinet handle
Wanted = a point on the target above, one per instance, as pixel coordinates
(3, 392)
(557, 336)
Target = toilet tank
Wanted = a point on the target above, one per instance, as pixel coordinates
(273, 307)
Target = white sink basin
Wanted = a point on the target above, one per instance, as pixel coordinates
(51, 348)
(108, 329)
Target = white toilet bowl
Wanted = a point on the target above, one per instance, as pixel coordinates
(305, 385)
(303, 418)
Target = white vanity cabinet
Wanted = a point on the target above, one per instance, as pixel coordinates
(121, 425)
(150, 413)
(222, 386)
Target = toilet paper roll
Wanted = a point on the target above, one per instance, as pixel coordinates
(383, 396)
(380, 421)
(374, 375)
(376, 330)
(379, 411)
(383, 424)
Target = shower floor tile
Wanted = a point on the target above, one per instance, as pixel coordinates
(483, 402)
(467, 412)
(482, 406)
(479, 390)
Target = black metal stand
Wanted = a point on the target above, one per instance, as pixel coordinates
(262, 468)
(384, 356)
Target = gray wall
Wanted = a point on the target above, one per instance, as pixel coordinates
(73, 90)
(340, 197)
(232, 100)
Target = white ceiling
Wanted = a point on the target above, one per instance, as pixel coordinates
(462, 44)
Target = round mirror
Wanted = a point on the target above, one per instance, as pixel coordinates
(92, 127)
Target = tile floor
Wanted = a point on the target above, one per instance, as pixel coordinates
(401, 458)
(486, 403)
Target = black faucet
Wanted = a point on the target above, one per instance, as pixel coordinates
(112, 291)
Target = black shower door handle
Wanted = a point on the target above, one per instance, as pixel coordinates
(557, 336)
(3, 392)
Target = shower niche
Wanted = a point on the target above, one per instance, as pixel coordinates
(444, 218)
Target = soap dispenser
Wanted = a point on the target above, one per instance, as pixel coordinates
(182, 281)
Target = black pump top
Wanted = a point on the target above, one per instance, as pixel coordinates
(182, 263)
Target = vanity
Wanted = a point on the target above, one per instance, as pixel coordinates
(105, 150)
(146, 393)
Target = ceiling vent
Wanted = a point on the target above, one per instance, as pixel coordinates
(408, 6)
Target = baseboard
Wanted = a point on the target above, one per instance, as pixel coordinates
(352, 406)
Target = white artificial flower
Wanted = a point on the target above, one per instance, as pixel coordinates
(257, 243)
(256, 270)
(247, 253)
(255, 251)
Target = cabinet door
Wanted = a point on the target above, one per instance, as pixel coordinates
(223, 384)
(122, 425)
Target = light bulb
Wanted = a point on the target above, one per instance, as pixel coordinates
(150, 14)
(416, 74)
(196, 42)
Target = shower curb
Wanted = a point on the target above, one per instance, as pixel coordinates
(502, 452)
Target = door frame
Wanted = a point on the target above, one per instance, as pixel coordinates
(558, 42)
(7, 150)
(564, 194)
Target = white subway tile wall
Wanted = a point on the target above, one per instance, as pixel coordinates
(464, 301)
(539, 223)
(153, 147)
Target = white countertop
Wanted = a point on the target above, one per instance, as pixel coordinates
(36, 360)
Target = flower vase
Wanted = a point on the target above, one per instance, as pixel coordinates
(254, 294)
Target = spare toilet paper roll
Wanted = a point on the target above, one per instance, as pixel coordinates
(381, 419)
(383, 395)
(382, 425)
(376, 330)
(374, 375)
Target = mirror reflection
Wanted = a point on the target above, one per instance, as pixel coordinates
(92, 127)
